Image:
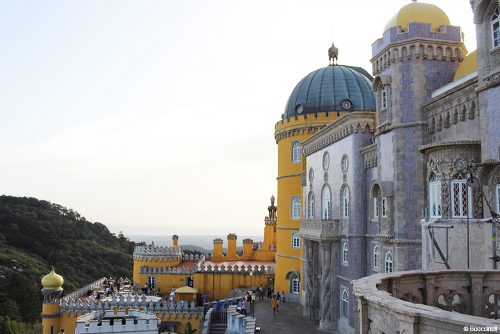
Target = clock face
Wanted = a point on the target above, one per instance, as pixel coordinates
(326, 161)
(345, 164)
(300, 109)
(346, 104)
(311, 175)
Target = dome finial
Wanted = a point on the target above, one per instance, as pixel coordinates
(333, 55)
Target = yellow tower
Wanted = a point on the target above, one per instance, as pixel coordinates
(318, 99)
(51, 307)
(231, 248)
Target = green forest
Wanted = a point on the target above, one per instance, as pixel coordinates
(36, 235)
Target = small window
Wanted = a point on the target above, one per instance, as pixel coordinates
(435, 197)
(310, 205)
(296, 152)
(460, 197)
(325, 203)
(345, 203)
(384, 207)
(295, 240)
(385, 97)
(151, 282)
(376, 256)
(295, 207)
(498, 198)
(495, 28)
(375, 208)
(295, 284)
(388, 262)
(344, 302)
(345, 252)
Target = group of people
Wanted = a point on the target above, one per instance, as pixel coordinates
(245, 304)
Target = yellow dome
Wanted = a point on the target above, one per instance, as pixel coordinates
(52, 281)
(419, 12)
(467, 66)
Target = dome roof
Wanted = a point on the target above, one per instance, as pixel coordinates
(52, 281)
(328, 89)
(467, 66)
(419, 12)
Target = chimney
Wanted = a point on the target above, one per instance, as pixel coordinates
(231, 248)
(247, 249)
(217, 255)
(175, 241)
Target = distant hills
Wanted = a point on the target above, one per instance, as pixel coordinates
(35, 235)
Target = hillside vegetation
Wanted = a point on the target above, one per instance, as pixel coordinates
(35, 235)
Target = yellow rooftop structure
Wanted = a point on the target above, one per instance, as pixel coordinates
(467, 66)
(52, 281)
(186, 289)
(418, 12)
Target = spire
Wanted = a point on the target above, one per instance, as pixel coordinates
(333, 55)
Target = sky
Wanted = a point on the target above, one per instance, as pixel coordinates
(157, 117)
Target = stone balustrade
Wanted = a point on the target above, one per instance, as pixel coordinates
(237, 323)
(428, 301)
(317, 229)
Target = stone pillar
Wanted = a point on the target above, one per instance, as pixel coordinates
(308, 278)
(326, 286)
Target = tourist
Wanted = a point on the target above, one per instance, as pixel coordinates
(62, 331)
(248, 301)
(274, 305)
(218, 305)
(278, 297)
(243, 307)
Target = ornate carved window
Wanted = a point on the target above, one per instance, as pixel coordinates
(388, 264)
(296, 152)
(295, 207)
(345, 203)
(344, 304)
(384, 207)
(376, 256)
(345, 252)
(495, 28)
(434, 197)
(460, 197)
(295, 240)
(294, 284)
(310, 205)
(326, 201)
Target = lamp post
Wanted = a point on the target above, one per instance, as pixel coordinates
(252, 306)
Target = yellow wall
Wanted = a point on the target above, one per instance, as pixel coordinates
(140, 261)
(290, 185)
(50, 310)
(164, 282)
(218, 286)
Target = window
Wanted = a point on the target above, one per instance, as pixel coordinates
(344, 304)
(295, 240)
(385, 97)
(435, 197)
(151, 282)
(345, 203)
(325, 203)
(498, 198)
(460, 197)
(294, 284)
(384, 207)
(375, 208)
(495, 28)
(296, 152)
(345, 252)
(388, 262)
(310, 205)
(295, 207)
(375, 256)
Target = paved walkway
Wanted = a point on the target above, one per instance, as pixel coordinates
(289, 319)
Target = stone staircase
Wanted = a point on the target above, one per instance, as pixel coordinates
(218, 328)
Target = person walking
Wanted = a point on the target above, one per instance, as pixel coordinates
(274, 305)
(243, 306)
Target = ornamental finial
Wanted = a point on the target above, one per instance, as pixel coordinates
(333, 55)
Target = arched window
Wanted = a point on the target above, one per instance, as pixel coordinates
(295, 207)
(310, 205)
(295, 240)
(326, 200)
(296, 152)
(344, 302)
(376, 256)
(460, 197)
(375, 202)
(345, 203)
(495, 28)
(388, 262)
(434, 197)
(294, 284)
(345, 252)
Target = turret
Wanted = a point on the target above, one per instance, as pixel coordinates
(51, 290)
(217, 255)
(247, 250)
(269, 242)
(231, 247)
(175, 241)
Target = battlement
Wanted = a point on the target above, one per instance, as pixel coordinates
(153, 250)
(243, 269)
(307, 122)
(123, 322)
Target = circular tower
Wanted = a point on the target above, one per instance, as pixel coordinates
(51, 290)
(318, 99)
